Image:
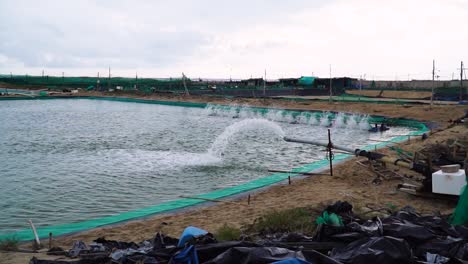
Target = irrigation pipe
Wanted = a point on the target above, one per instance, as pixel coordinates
(38, 242)
(211, 200)
(296, 172)
(357, 152)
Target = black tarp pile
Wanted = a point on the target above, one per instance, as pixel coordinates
(403, 237)
(161, 249)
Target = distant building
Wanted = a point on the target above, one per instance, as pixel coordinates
(339, 84)
(252, 82)
(409, 85)
(286, 82)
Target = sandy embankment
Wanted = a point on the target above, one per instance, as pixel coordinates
(392, 94)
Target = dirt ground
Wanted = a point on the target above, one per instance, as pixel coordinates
(351, 182)
(392, 94)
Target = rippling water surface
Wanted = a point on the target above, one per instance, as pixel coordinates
(64, 161)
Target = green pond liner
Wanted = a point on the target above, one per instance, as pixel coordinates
(63, 229)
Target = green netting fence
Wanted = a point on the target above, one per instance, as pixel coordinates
(95, 83)
(146, 85)
(63, 229)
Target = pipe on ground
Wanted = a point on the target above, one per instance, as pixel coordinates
(357, 152)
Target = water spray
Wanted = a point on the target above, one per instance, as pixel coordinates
(222, 141)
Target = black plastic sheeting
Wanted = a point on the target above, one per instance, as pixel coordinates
(403, 237)
(381, 250)
(246, 255)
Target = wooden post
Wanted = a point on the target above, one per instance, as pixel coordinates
(289, 179)
(429, 162)
(50, 240)
(330, 154)
(248, 200)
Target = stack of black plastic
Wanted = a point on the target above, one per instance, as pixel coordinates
(402, 237)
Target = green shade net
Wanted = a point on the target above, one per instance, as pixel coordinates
(460, 216)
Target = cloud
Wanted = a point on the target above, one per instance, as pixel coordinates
(101, 37)
(208, 38)
(380, 39)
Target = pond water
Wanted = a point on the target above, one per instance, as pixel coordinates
(65, 161)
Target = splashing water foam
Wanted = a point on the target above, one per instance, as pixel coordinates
(326, 119)
(225, 138)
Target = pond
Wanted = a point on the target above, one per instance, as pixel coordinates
(70, 160)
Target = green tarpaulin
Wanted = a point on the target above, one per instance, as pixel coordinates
(306, 81)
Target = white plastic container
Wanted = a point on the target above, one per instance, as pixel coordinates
(448, 183)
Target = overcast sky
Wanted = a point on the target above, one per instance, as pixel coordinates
(391, 39)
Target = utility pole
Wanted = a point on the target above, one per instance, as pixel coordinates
(433, 84)
(330, 99)
(461, 81)
(360, 82)
(108, 80)
(264, 85)
(185, 85)
(136, 81)
(98, 81)
(11, 77)
(360, 86)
